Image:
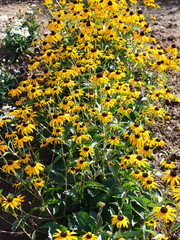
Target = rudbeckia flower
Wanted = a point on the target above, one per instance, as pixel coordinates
(38, 182)
(82, 163)
(11, 166)
(120, 221)
(12, 202)
(88, 236)
(171, 177)
(149, 184)
(165, 212)
(34, 168)
(105, 116)
(3, 147)
(80, 136)
(64, 235)
(114, 140)
(85, 151)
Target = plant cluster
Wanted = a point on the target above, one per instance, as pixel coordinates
(77, 140)
(17, 34)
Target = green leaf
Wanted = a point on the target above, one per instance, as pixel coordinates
(130, 234)
(175, 227)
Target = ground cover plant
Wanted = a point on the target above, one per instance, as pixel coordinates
(75, 135)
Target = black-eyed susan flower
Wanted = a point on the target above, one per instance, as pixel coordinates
(136, 174)
(38, 182)
(11, 166)
(164, 212)
(105, 116)
(88, 236)
(168, 164)
(120, 221)
(148, 184)
(25, 128)
(146, 151)
(114, 140)
(20, 140)
(82, 163)
(136, 127)
(152, 223)
(80, 136)
(3, 147)
(144, 176)
(64, 235)
(85, 151)
(34, 168)
(139, 161)
(12, 202)
(171, 177)
(176, 193)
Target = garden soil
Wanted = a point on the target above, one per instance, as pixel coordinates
(166, 29)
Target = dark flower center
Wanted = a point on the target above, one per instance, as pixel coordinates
(10, 199)
(55, 116)
(146, 148)
(136, 124)
(86, 149)
(164, 210)
(79, 134)
(33, 163)
(64, 234)
(10, 162)
(139, 157)
(113, 137)
(173, 174)
(99, 75)
(88, 236)
(145, 175)
(104, 114)
(82, 161)
(148, 181)
(120, 217)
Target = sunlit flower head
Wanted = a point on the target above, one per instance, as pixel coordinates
(171, 177)
(120, 221)
(64, 235)
(164, 212)
(88, 236)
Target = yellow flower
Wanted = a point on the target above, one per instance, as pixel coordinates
(149, 184)
(12, 202)
(88, 236)
(66, 235)
(105, 116)
(80, 136)
(152, 223)
(85, 151)
(168, 164)
(165, 213)
(120, 221)
(82, 163)
(11, 165)
(34, 168)
(114, 140)
(171, 177)
(3, 147)
(20, 140)
(38, 182)
(25, 128)
(145, 151)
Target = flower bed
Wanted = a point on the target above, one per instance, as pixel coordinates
(77, 138)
